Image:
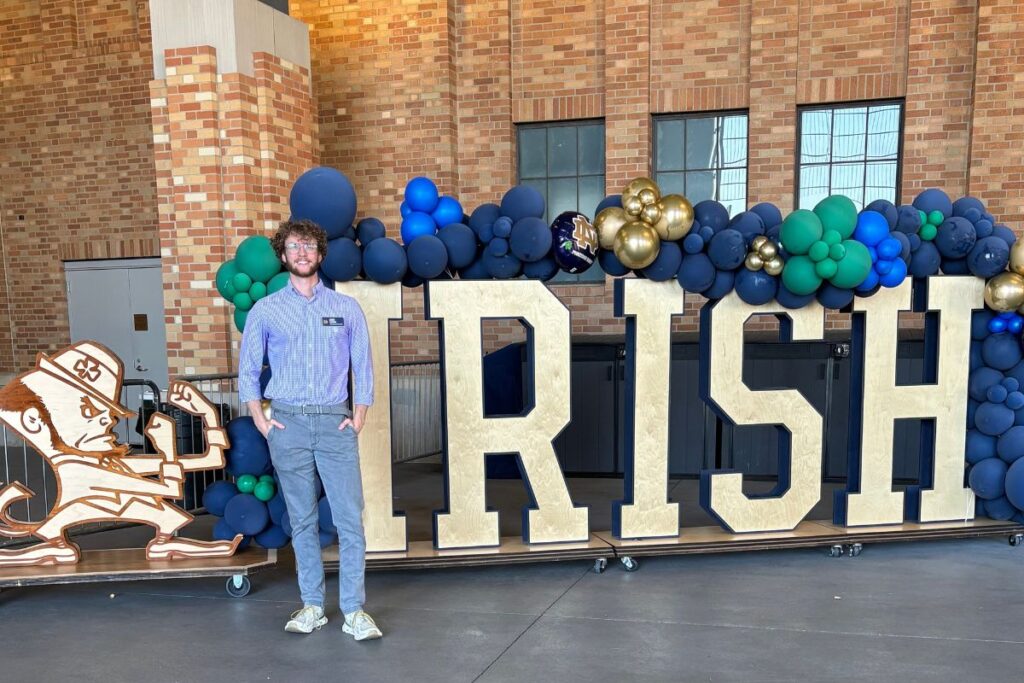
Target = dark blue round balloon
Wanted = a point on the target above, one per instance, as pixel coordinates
(503, 226)
(217, 495)
(276, 507)
(427, 256)
(542, 269)
(980, 446)
(976, 360)
(908, 219)
(696, 273)
(447, 211)
(417, 224)
(973, 215)
(497, 247)
(693, 243)
(887, 209)
(1013, 484)
(1001, 351)
(749, 224)
(574, 242)
(723, 284)
(610, 200)
(972, 408)
(384, 261)
(993, 418)
(477, 270)
(988, 257)
(350, 232)
(955, 238)
(833, 297)
(790, 300)
(1010, 446)
(711, 214)
(369, 229)
(871, 228)
(1005, 234)
(522, 201)
(769, 213)
(706, 233)
(934, 200)
(979, 324)
(530, 239)
(326, 519)
(984, 228)
(411, 280)
(1000, 509)
(965, 204)
(610, 263)
(343, 261)
(484, 216)
(502, 267)
(222, 531)
(925, 261)
(957, 266)
(981, 380)
(915, 242)
(272, 537)
(727, 249)
(666, 264)
(327, 539)
(421, 195)
(286, 524)
(246, 514)
(1017, 372)
(755, 287)
(904, 243)
(325, 196)
(460, 241)
(249, 453)
(988, 478)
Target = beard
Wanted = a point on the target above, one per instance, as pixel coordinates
(307, 270)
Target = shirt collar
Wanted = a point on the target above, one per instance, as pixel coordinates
(317, 288)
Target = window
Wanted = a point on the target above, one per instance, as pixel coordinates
(565, 162)
(849, 150)
(702, 157)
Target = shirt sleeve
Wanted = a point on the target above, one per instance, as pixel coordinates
(362, 359)
(250, 358)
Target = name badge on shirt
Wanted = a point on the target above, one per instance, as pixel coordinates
(333, 322)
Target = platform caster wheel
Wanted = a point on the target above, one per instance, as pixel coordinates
(1016, 540)
(600, 564)
(835, 551)
(629, 564)
(238, 586)
(854, 549)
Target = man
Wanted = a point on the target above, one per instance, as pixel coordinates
(311, 334)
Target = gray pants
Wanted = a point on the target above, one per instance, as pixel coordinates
(310, 444)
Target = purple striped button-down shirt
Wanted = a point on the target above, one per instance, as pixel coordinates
(310, 343)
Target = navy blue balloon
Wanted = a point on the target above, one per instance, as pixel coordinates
(448, 211)
(417, 224)
(833, 297)
(502, 267)
(993, 418)
(411, 280)
(249, 453)
(984, 228)
(522, 201)
(530, 239)
(217, 495)
(755, 287)
(887, 209)
(972, 408)
(711, 214)
(271, 537)
(925, 261)
(908, 219)
(1017, 372)
(934, 200)
(973, 215)
(1005, 234)
(666, 264)
(696, 273)
(705, 232)
(749, 224)
(790, 300)
(988, 478)
(1001, 351)
(222, 531)
(693, 243)
(503, 226)
(610, 263)
(542, 269)
(957, 266)
(955, 238)
(276, 507)
(965, 204)
(976, 360)
(727, 249)
(769, 213)
(326, 519)
(979, 324)
(369, 229)
(327, 539)
(421, 194)
(343, 261)
(484, 216)
(1010, 446)
(350, 232)
(723, 284)
(460, 241)
(497, 247)
(980, 446)
(988, 257)
(1000, 509)
(981, 380)
(286, 523)
(1014, 484)
(904, 242)
(477, 270)
(246, 514)
(427, 256)
(384, 261)
(325, 196)
(610, 200)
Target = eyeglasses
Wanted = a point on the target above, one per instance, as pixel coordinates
(295, 246)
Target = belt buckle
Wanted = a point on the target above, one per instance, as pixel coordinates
(310, 410)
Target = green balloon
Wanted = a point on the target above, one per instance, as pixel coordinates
(923, 216)
(256, 258)
(257, 291)
(854, 267)
(264, 490)
(246, 483)
(826, 269)
(242, 282)
(223, 279)
(267, 477)
(240, 317)
(936, 217)
(800, 230)
(242, 301)
(928, 232)
(831, 238)
(799, 276)
(818, 251)
(837, 213)
(837, 252)
(278, 282)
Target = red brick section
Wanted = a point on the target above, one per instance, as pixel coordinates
(997, 144)
(76, 166)
(940, 75)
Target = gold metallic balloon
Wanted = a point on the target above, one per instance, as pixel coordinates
(756, 243)
(676, 217)
(607, 223)
(650, 214)
(767, 250)
(638, 185)
(647, 196)
(1005, 292)
(774, 266)
(636, 245)
(1017, 257)
(753, 261)
(632, 206)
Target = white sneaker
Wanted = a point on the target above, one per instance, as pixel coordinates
(361, 626)
(306, 620)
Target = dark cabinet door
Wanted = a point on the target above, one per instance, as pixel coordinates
(588, 443)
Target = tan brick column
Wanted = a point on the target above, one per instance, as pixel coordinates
(627, 40)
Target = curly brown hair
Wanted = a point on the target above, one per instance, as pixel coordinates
(303, 229)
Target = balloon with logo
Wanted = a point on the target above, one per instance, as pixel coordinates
(574, 242)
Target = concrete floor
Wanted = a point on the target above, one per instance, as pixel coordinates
(929, 611)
